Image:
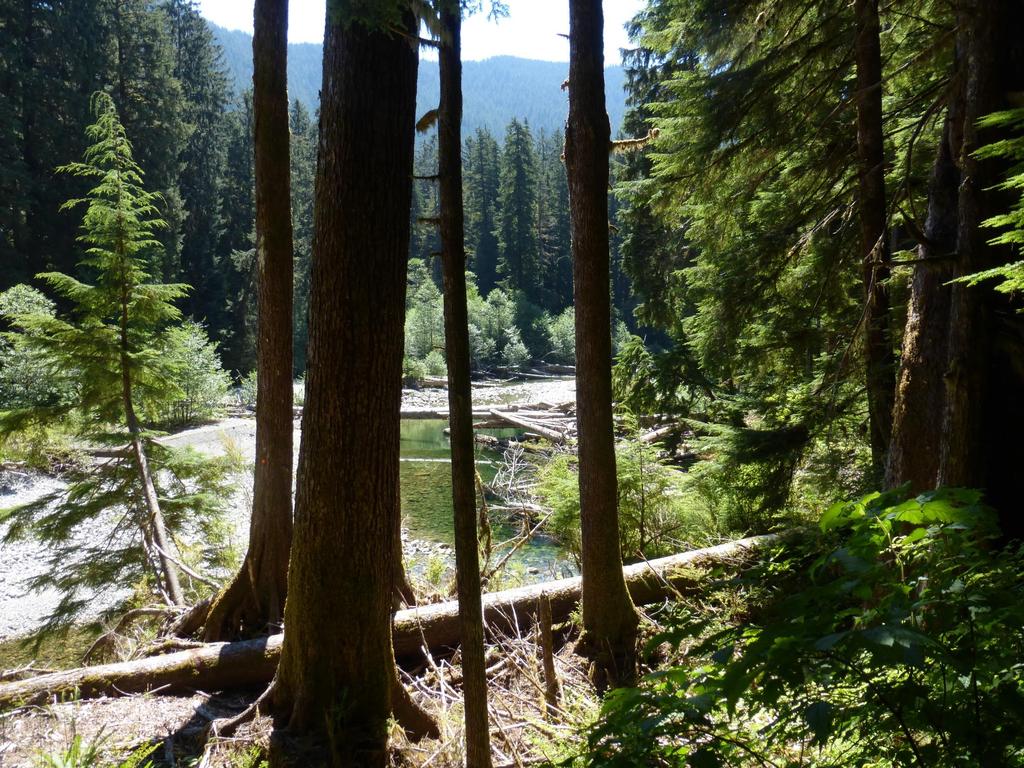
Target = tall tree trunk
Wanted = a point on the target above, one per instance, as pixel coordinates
(874, 240)
(337, 665)
(460, 405)
(609, 619)
(985, 377)
(254, 601)
(920, 395)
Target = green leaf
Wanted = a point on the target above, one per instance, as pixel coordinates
(819, 717)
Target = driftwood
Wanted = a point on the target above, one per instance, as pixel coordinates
(517, 421)
(218, 666)
(661, 432)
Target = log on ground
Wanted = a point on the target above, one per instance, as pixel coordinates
(219, 666)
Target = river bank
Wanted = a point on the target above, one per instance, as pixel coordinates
(425, 479)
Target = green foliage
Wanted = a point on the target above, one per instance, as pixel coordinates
(514, 355)
(118, 324)
(656, 517)
(80, 753)
(203, 382)
(27, 379)
(434, 363)
(1010, 276)
(247, 390)
(424, 318)
(893, 641)
(119, 343)
(562, 337)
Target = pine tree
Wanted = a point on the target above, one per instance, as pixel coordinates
(518, 251)
(303, 144)
(609, 619)
(236, 247)
(337, 681)
(254, 600)
(113, 338)
(153, 110)
(482, 183)
(460, 405)
(199, 68)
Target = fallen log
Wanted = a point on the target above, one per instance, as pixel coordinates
(661, 432)
(551, 434)
(219, 666)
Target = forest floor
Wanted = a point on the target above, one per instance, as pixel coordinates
(173, 729)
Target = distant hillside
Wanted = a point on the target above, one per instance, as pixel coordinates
(495, 90)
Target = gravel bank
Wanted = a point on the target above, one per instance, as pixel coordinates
(22, 611)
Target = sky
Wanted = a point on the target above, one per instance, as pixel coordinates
(531, 31)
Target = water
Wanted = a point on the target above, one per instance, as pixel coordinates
(426, 490)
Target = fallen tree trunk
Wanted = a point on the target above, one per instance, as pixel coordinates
(551, 434)
(217, 666)
(660, 433)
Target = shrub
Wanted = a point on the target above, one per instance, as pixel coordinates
(435, 364)
(247, 390)
(203, 382)
(28, 379)
(514, 354)
(562, 337)
(893, 640)
(654, 516)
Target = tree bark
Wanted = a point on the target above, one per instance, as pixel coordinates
(984, 376)
(254, 601)
(874, 226)
(218, 666)
(169, 570)
(609, 619)
(917, 434)
(337, 663)
(460, 404)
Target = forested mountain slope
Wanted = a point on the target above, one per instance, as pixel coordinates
(496, 90)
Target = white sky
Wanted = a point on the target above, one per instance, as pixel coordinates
(531, 30)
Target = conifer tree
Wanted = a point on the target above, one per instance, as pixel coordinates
(609, 619)
(482, 184)
(337, 682)
(518, 254)
(113, 338)
(456, 321)
(254, 600)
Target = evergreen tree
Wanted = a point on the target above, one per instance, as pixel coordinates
(153, 110)
(303, 172)
(336, 682)
(199, 68)
(609, 619)
(518, 247)
(482, 182)
(114, 338)
(236, 247)
(253, 602)
(553, 224)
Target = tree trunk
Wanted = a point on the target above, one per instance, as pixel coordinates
(985, 377)
(159, 530)
(254, 601)
(218, 666)
(334, 680)
(920, 395)
(460, 405)
(874, 240)
(609, 619)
